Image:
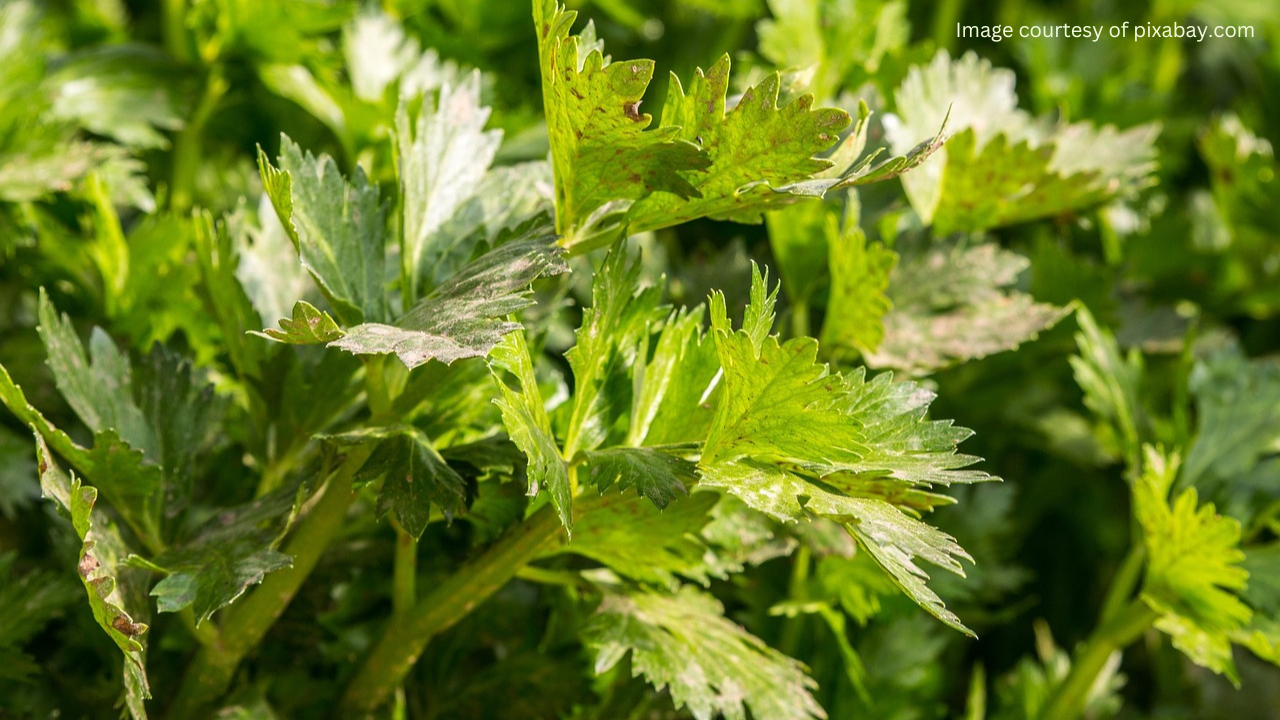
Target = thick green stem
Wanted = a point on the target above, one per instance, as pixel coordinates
(1068, 701)
(404, 592)
(1124, 583)
(945, 15)
(245, 623)
(175, 29)
(800, 319)
(403, 642)
(375, 383)
(789, 641)
(186, 149)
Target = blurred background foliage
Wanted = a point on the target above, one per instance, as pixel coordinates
(118, 118)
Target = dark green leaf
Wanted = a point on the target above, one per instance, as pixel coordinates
(415, 478)
(98, 385)
(233, 550)
(28, 603)
(655, 474)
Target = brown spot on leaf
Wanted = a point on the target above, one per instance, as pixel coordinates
(87, 565)
(128, 627)
(632, 109)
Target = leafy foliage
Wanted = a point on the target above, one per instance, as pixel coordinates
(1001, 166)
(954, 305)
(786, 430)
(336, 226)
(683, 642)
(460, 318)
(414, 476)
(1194, 568)
(609, 498)
(116, 594)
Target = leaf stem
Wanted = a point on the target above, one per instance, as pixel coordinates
(1124, 583)
(403, 642)
(1069, 699)
(244, 624)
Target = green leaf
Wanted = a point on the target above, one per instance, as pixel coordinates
(18, 486)
(131, 93)
(1004, 166)
(896, 540)
(857, 304)
(28, 602)
(1236, 401)
(222, 558)
(600, 149)
(529, 427)
(841, 42)
(98, 385)
(739, 536)
(463, 318)
(756, 149)
(639, 541)
(653, 473)
(415, 476)
(338, 228)
(954, 305)
(376, 52)
(308, 326)
(777, 399)
(179, 402)
(683, 643)
(132, 485)
(444, 155)
(222, 288)
(612, 339)
(1194, 568)
(117, 594)
(794, 440)
(1110, 383)
(672, 392)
